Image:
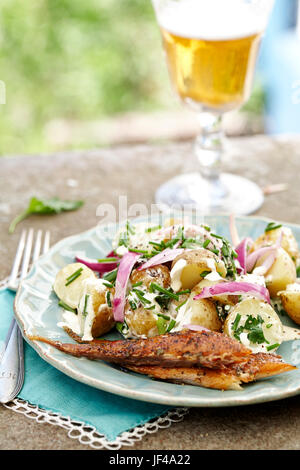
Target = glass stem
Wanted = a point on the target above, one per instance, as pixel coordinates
(209, 144)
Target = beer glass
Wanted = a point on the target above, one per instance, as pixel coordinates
(211, 47)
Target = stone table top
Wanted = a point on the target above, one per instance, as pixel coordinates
(101, 176)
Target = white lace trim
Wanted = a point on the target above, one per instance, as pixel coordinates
(87, 434)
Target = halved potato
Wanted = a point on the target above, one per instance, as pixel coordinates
(271, 325)
(290, 299)
(288, 241)
(95, 309)
(281, 273)
(70, 294)
(203, 312)
(141, 322)
(159, 274)
(187, 268)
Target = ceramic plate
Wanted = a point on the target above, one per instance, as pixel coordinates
(37, 312)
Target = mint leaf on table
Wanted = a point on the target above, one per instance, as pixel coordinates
(45, 206)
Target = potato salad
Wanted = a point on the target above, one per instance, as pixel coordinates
(166, 278)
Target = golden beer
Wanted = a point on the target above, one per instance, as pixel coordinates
(216, 73)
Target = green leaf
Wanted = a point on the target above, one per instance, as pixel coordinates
(45, 206)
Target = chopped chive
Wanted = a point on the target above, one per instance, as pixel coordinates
(151, 229)
(165, 317)
(73, 276)
(66, 307)
(157, 287)
(206, 227)
(269, 325)
(298, 271)
(205, 273)
(150, 308)
(108, 260)
(84, 313)
(137, 284)
(216, 236)
(180, 305)
(272, 226)
(214, 250)
(187, 291)
(119, 326)
(161, 325)
(236, 322)
(141, 295)
(76, 272)
(158, 245)
(108, 301)
(171, 325)
(132, 305)
(108, 284)
(111, 276)
(273, 346)
(206, 243)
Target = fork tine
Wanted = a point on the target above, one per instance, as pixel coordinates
(46, 242)
(18, 258)
(37, 246)
(27, 253)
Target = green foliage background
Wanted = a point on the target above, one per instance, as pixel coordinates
(77, 60)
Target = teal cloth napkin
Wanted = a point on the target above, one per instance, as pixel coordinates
(52, 390)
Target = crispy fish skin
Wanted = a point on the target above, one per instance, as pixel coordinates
(185, 348)
(258, 366)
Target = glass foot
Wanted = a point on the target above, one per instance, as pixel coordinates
(229, 194)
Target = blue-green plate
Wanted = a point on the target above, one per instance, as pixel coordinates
(37, 312)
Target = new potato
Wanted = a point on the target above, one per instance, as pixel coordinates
(281, 273)
(101, 313)
(72, 293)
(272, 327)
(288, 241)
(290, 299)
(203, 312)
(195, 263)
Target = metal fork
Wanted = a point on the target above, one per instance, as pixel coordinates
(12, 360)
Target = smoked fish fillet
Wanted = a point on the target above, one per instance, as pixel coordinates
(258, 366)
(185, 348)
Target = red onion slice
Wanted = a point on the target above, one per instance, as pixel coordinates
(242, 250)
(125, 267)
(167, 255)
(196, 327)
(234, 288)
(252, 259)
(96, 266)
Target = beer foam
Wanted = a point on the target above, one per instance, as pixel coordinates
(214, 19)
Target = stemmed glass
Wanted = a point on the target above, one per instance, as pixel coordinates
(211, 47)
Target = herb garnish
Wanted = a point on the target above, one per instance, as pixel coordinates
(73, 276)
(108, 260)
(273, 346)
(84, 313)
(253, 326)
(66, 307)
(272, 226)
(168, 292)
(111, 276)
(152, 229)
(45, 206)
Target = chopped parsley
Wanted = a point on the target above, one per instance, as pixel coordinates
(253, 325)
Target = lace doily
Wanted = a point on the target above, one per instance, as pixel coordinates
(86, 434)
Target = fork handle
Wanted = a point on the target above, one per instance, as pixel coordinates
(12, 364)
